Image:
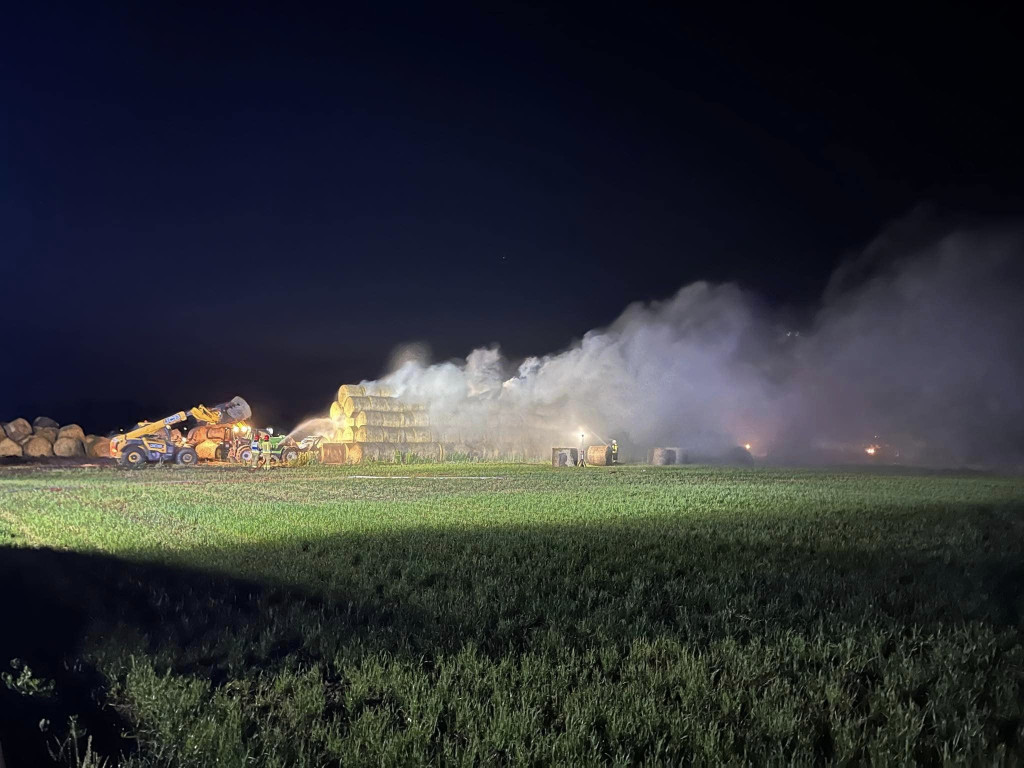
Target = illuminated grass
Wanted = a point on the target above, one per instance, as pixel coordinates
(518, 614)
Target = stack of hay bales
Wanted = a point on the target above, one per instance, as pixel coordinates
(45, 437)
(376, 426)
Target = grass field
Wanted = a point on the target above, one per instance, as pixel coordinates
(510, 615)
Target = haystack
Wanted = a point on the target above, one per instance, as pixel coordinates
(97, 446)
(599, 455)
(68, 447)
(72, 430)
(18, 429)
(346, 434)
(345, 391)
(665, 456)
(565, 457)
(44, 421)
(50, 433)
(35, 446)
(9, 448)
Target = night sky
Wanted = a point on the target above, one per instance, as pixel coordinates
(200, 202)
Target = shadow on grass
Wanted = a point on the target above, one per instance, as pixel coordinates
(425, 592)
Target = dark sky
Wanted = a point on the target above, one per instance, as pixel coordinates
(200, 201)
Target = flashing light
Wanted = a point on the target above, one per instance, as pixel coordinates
(747, 446)
(870, 450)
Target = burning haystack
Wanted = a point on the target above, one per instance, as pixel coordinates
(376, 426)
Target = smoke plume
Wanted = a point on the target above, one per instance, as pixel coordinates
(916, 347)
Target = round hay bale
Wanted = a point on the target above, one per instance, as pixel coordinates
(416, 418)
(68, 447)
(9, 448)
(18, 429)
(380, 391)
(337, 413)
(665, 456)
(345, 391)
(429, 451)
(379, 419)
(353, 453)
(98, 447)
(207, 449)
(71, 430)
(44, 421)
(353, 405)
(347, 434)
(599, 455)
(3, 432)
(379, 435)
(50, 433)
(360, 452)
(417, 435)
(333, 453)
(35, 447)
(392, 419)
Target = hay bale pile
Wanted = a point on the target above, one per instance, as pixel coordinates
(44, 437)
(374, 425)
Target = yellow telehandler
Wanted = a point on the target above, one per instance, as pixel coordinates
(151, 441)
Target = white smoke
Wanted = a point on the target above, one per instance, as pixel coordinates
(920, 350)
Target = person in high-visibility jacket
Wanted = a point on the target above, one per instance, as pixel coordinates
(265, 452)
(254, 446)
(615, 452)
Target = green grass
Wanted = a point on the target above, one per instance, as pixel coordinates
(513, 614)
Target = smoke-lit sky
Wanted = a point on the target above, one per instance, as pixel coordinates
(200, 202)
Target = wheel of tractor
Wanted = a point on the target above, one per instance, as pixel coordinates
(289, 454)
(187, 456)
(133, 456)
(245, 456)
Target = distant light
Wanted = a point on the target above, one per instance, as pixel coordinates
(870, 450)
(747, 446)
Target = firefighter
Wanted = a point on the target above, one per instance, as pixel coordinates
(254, 446)
(265, 447)
(615, 452)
